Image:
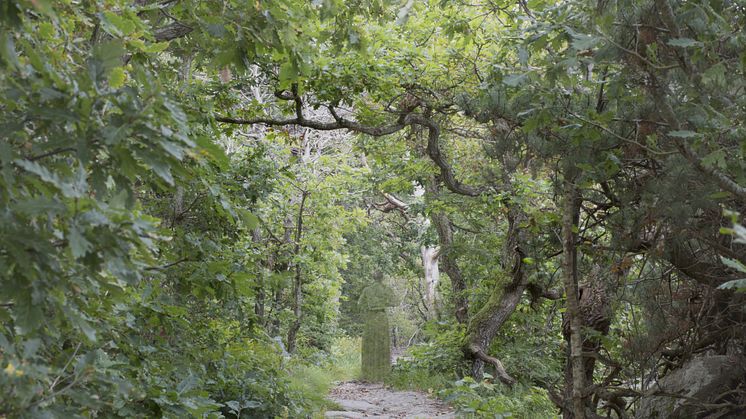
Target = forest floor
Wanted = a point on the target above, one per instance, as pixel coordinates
(357, 399)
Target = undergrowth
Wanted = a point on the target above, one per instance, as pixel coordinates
(438, 368)
(316, 372)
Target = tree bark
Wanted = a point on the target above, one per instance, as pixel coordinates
(261, 296)
(449, 265)
(503, 301)
(298, 280)
(282, 266)
(432, 277)
(570, 218)
(448, 262)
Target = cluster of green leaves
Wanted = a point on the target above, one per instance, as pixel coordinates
(438, 366)
(315, 371)
(738, 231)
(484, 399)
(133, 248)
(441, 355)
(75, 238)
(126, 265)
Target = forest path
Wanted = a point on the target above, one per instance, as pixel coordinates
(370, 400)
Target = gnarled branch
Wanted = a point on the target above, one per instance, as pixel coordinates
(433, 143)
(502, 375)
(433, 151)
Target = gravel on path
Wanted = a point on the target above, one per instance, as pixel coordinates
(359, 399)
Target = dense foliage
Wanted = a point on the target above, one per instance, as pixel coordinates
(194, 193)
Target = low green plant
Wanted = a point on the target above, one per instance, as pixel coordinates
(345, 358)
(438, 367)
(486, 399)
(313, 372)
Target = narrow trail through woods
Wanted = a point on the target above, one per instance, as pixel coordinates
(358, 399)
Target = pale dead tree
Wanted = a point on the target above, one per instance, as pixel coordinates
(430, 255)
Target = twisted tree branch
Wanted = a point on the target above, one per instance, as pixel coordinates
(433, 143)
(502, 375)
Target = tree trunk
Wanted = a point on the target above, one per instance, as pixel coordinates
(570, 218)
(261, 296)
(503, 301)
(448, 261)
(298, 280)
(595, 314)
(274, 324)
(432, 277)
(450, 266)
(282, 266)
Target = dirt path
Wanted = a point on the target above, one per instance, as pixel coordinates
(366, 400)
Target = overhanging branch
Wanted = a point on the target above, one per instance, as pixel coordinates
(686, 150)
(433, 151)
(433, 143)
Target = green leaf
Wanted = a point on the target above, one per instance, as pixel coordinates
(176, 113)
(117, 25)
(84, 326)
(117, 77)
(79, 245)
(155, 47)
(243, 284)
(187, 384)
(77, 185)
(39, 170)
(514, 80)
(75, 188)
(44, 6)
(683, 134)
(584, 42)
(160, 167)
(8, 49)
(726, 230)
(733, 264)
(715, 159)
(109, 54)
(683, 42)
(29, 316)
(41, 205)
(715, 76)
(250, 220)
(30, 347)
(209, 148)
(720, 195)
(736, 284)
(288, 72)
